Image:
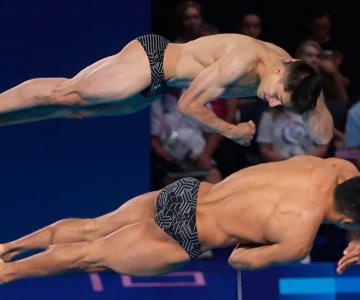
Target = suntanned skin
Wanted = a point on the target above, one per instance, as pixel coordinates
(269, 212)
(223, 65)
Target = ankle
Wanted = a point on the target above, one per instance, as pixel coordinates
(4, 274)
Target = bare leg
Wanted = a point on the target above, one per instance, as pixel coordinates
(79, 230)
(38, 92)
(58, 258)
(138, 249)
(117, 78)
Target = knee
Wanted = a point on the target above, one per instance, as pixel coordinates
(43, 90)
(92, 258)
(90, 230)
(85, 226)
(71, 256)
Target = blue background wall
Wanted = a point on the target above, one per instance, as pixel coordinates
(67, 168)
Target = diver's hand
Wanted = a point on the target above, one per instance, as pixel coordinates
(351, 256)
(243, 133)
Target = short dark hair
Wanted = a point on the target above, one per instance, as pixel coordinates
(347, 198)
(304, 83)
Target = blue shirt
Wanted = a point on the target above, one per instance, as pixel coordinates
(353, 127)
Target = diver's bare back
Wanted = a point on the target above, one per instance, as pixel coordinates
(185, 62)
(258, 204)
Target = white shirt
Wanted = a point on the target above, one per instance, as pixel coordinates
(180, 135)
(287, 133)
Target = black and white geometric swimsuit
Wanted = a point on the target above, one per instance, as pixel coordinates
(154, 46)
(176, 213)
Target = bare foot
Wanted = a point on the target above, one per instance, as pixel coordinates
(7, 255)
(2, 263)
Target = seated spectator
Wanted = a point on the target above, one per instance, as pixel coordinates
(190, 18)
(282, 134)
(327, 63)
(320, 28)
(179, 145)
(334, 85)
(250, 25)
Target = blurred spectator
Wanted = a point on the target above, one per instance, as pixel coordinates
(250, 25)
(179, 145)
(282, 134)
(320, 29)
(334, 86)
(320, 26)
(334, 83)
(190, 18)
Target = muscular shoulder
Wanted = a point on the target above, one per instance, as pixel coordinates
(309, 162)
(319, 175)
(276, 49)
(227, 43)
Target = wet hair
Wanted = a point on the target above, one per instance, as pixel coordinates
(304, 83)
(347, 198)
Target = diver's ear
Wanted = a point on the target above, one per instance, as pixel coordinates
(281, 70)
